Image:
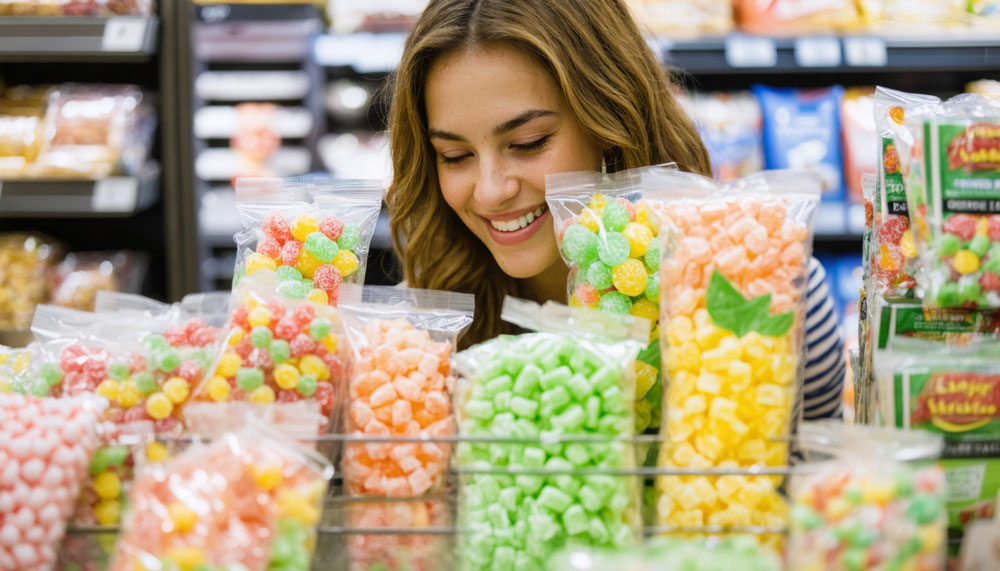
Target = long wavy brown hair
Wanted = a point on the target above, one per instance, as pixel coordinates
(612, 83)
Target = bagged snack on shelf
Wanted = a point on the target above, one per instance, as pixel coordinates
(400, 385)
(731, 126)
(802, 132)
(873, 501)
(147, 366)
(733, 281)
(22, 110)
(608, 237)
(946, 390)
(859, 135)
(277, 348)
(562, 393)
(671, 553)
(45, 446)
(378, 16)
(255, 139)
(988, 87)
(314, 235)
(792, 17)
(972, 485)
(894, 259)
(14, 364)
(910, 16)
(76, 280)
(896, 319)
(94, 131)
(250, 500)
(952, 201)
(683, 17)
(25, 258)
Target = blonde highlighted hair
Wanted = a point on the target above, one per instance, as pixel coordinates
(612, 82)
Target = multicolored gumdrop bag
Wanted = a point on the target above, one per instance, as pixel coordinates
(893, 258)
(14, 364)
(314, 235)
(277, 348)
(249, 500)
(732, 316)
(943, 389)
(562, 394)
(608, 237)
(868, 498)
(400, 387)
(954, 202)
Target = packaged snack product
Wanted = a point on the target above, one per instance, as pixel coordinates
(981, 546)
(867, 504)
(972, 485)
(350, 16)
(400, 386)
(733, 281)
(608, 237)
(21, 113)
(14, 365)
(568, 383)
(671, 553)
(45, 445)
(250, 500)
(25, 259)
(314, 235)
(76, 280)
(277, 348)
(684, 18)
(859, 134)
(790, 17)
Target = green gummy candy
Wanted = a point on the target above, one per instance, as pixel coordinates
(969, 290)
(605, 377)
(349, 238)
(992, 265)
(509, 498)
(306, 386)
(806, 518)
(615, 302)
(924, 509)
(502, 402)
(652, 257)
(615, 217)
(593, 408)
(482, 410)
(322, 247)
(555, 378)
(948, 295)
(156, 342)
(497, 516)
(498, 385)
(146, 383)
(319, 328)
(599, 275)
(523, 407)
(288, 273)
(653, 287)
(577, 453)
(294, 290)
(575, 520)
(280, 351)
(980, 245)
(261, 337)
(504, 557)
(580, 387)
(598, 531)
(948, 244)
(39, 388)
(169, 361)
(614, 399)
(107, 457)
(529, 484)
(579, 245)
(533, 457)
(554, 499)
(612, 424)
(513, 364)
(613, 249)
(555, 399)
(592, 499)
(571, 419)
(51, 373)
(543, 526)
(249, 378)
(118, 371)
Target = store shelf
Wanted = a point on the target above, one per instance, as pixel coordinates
(848, 54)
(221, 122)
(252, 85)
(363, 53)
(259, 33)
(223, 164)
(56, 39)
(109, 197)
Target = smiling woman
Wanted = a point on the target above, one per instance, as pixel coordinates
(489, 97)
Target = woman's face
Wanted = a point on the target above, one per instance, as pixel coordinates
(499, 124)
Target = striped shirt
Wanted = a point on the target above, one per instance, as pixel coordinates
(823, 383)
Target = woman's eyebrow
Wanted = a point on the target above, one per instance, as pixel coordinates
(505, 127)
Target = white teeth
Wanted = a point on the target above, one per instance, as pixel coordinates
(518, 223)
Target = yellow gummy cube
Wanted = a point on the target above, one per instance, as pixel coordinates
(128, 394)
(700, 462)
(681, 330)
(314, 367)
(785, 370)
(229, 364)
(877, 492)
(108, 389)
(218, 389)
(176, 389)
(704, 490)
(708, 336)
(722, 409)
(740, 376)
(259, 317)
(108, 486)
(267, 477)
(701, 318)
(257, 262)
(683, 384)
(727, 487)
(183, 517)
(776, 455)
(688, 518)
(294, 505)
(730, 347)
(318, 296)
(709, 383)
(108, 512)
(235, 336)
(686, 497)
(678, 429)
(751, 495)
(159, 406)
(752, 451)
(683, 453)
(772, 395)
(262, 395)
(695, 404)
(645, 378)
(664, 506)
(156, 452)
(187, 558)
(286, 376)
(709, 446)
(303, 226)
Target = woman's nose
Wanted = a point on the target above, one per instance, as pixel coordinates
(496, 184)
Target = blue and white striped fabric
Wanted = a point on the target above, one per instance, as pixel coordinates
(823, 385)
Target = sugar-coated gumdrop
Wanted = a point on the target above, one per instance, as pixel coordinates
(276, 228)
(294, 290)
(290, 252)
(270, 248)
(630, 278)
(965, 262)
(346, 263)
(892, 229)
(322, 247)
(587, 295)
(638, 237)
(303, 226)
(990, 282)
(614, 218)
(289, 273)
(327, 278)
(961, 225)
(947, 244)
(653, 287)
(613, 248)
(350, 237)
(615, 302)
(319, 328)
(599, 275)
(579, 245)
(993, 227)
(307, 263)
(332, 227)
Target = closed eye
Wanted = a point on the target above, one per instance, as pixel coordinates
(535, 145)
(454, 159)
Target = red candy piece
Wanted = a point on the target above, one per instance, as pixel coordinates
(135, 414)
(302, 345)
(325, 396)
(961, 225)
(990, 282)
(287, 328)
(304, 314)
(290, 253)
(327, 278)
(287, 396)
(244, 348)
(276, 227)
(175, 336)
(276, 308)
(331, 227)
(993, 228)
(587, 295)
(203, 337)
(239, 317)
(189, 371)
(335, 364)
(270, 248)
(892, 229)
(194, 326)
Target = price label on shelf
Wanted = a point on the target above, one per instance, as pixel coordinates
(817, 52)
(123, 35)
(115, 194)
(865, 52)
(749, 51)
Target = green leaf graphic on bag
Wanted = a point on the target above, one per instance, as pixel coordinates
(730, 310)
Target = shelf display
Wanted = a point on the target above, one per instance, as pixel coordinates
(102, 8)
